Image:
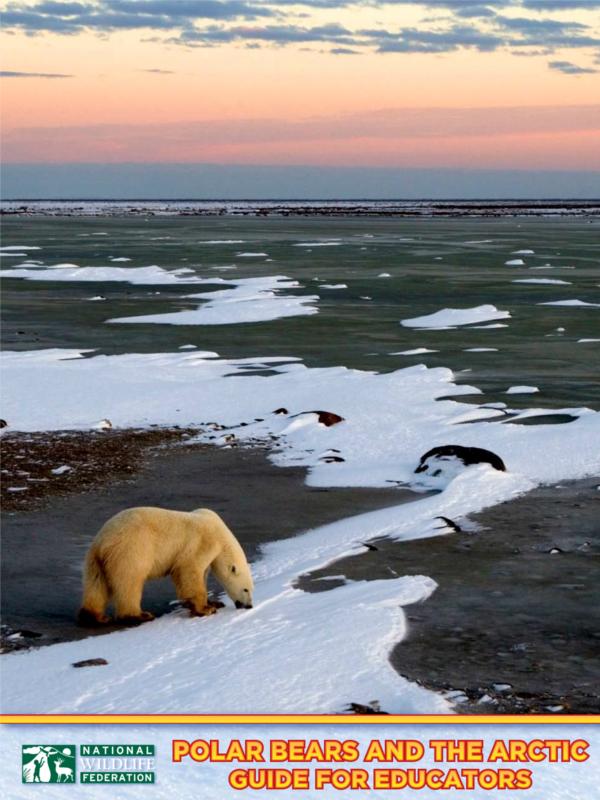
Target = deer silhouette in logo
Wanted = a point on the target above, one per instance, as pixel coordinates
(63, 772)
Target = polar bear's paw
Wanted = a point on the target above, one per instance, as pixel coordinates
(144, 616)
(204, 611)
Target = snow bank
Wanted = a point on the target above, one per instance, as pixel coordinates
(390, 419)
(449, 317)
(247, 300)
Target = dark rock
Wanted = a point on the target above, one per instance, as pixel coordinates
(91, 662)
(468, 455)
(369, 546)
(455, 527)
(3, 423)
(281, 411)
(327, 418)
(359, 708)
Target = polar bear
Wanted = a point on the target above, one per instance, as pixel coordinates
(139, 544)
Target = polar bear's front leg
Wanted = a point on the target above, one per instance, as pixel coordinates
(190, 583)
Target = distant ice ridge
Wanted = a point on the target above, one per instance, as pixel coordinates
(389, 420)
(245, 300)
(450, 317)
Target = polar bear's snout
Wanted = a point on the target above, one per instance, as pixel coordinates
(246, 601)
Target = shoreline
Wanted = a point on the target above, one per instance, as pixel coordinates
(504, 631)
(415, 209)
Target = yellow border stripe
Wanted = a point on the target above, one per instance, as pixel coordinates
(299, 719)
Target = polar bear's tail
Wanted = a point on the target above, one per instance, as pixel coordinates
(96, 592)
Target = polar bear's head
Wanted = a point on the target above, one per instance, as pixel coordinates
(233, 573)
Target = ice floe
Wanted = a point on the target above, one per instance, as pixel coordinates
(449, 317)
(522, 390)
(416, 352)
(134, 275)
(245, 300)
(7, 248)
(328, 243)
(571, 303)
(549, 281)
(515, 262)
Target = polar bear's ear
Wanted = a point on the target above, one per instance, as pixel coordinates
(233, 569)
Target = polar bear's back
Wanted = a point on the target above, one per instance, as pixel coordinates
(157, 537)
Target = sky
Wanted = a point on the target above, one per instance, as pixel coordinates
(448, 85)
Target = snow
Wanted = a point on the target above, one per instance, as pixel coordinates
(515, 262)
(586, 341)
(571, 303)
(246, 300)
(449, 317)
(549, 281)
(176, 663)
(121, 258)
(522, 390)
(333, 286)
(194, 387)
(61, 470)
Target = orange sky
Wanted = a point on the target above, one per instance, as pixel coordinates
(55, 119)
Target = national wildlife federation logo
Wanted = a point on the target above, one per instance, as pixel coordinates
(48, 763)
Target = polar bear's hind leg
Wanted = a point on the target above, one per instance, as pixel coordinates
(127, 596)
(96, 593)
